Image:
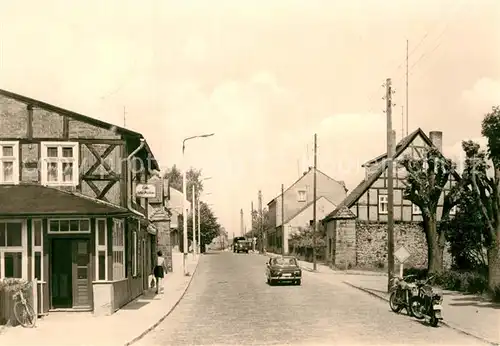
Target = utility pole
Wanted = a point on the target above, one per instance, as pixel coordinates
(193, 212)
(124, 115)
(283, 219)
(252, 224)
(261, 224)
(402, 122)
(315, 222)
(242, 227)
(390, 183)
(407, 87)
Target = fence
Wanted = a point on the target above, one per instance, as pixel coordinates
(8, 287)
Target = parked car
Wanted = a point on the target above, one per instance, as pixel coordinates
(283, 269)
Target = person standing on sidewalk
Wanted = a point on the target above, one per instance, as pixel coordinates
(159, 271)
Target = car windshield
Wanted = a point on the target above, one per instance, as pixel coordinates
(285, 261)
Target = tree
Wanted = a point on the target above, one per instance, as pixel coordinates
(304, 238)
(193, 178)
(487, 190)
(465, 234)
(427, 175)
(209, 226)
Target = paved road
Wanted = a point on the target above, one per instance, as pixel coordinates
(230, 303)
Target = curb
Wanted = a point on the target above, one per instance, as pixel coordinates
(143, 334)
(444, 323)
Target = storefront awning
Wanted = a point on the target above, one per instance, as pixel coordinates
(37, 200)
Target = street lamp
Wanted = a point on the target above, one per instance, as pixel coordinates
(184, 195)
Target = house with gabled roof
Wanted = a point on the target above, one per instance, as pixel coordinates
(298, 207)
(357, 228)
(71, 214)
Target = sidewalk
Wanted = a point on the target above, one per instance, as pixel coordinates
(467, 313)
(124, 327)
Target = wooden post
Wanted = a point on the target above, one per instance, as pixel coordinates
(283, 219)
(390, 184)
(315, 222)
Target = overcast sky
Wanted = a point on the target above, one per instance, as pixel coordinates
(263, 75)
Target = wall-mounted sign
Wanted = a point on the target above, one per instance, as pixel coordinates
(145, 191)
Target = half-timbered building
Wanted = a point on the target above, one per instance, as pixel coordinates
(69, 215)
(357, 228)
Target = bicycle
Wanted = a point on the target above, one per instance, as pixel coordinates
(24, 312)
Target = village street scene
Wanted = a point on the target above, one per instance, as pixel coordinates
(250, 173)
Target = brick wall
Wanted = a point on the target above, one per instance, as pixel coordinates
(371, 241)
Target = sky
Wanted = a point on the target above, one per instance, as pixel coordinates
(263, 75)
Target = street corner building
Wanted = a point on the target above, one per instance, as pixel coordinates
(356, 230)
(293, 210)
(70, 216)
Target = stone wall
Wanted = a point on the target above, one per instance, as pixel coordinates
(371, 244)
(345, 241)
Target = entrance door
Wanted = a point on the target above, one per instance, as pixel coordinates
(81, 274)
(62, 274)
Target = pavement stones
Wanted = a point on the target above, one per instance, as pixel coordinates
(124, 327)
(470, 314)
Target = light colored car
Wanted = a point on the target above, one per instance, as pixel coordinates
(283, 269)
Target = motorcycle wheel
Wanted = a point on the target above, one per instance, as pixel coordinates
(416, 307)
(393, 302)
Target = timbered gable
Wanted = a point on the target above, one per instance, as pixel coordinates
(368, 201)
(70, 151)
(101, 171)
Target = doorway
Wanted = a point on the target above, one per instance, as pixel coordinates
(70, 273)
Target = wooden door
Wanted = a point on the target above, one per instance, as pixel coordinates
(82, 283)
(61, 270)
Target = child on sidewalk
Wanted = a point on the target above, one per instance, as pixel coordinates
(159, 270)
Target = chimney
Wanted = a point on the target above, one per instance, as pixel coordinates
(437, 139)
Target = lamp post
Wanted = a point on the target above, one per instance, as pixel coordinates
(184, 195)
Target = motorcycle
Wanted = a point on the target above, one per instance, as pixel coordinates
(427, 303)
(401, 293)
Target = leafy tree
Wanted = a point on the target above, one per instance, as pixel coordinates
(465, 234)
(487, 190)
(304, 238)
(427, 175)
(209, 226)
(193, 178)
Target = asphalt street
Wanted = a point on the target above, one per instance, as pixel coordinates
(230, 303)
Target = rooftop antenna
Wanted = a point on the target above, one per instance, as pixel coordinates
(407, 87)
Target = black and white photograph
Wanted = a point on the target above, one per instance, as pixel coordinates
(249, 172)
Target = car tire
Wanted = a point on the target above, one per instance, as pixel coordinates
(271, 282)
(298, 282)
(268, 281)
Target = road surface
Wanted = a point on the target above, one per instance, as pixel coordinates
(230, 303)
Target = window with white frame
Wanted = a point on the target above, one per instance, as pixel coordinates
(69, 226)
(134, 254)
(101, 247)
(416, 209)
(453, 210)
(301, 195)
(12, 250)
(9, 162)
(36, 250)
(118, 250)
(59, 163)
(383, 205)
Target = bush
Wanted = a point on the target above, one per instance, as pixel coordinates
(462, 281)
(469, 282)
